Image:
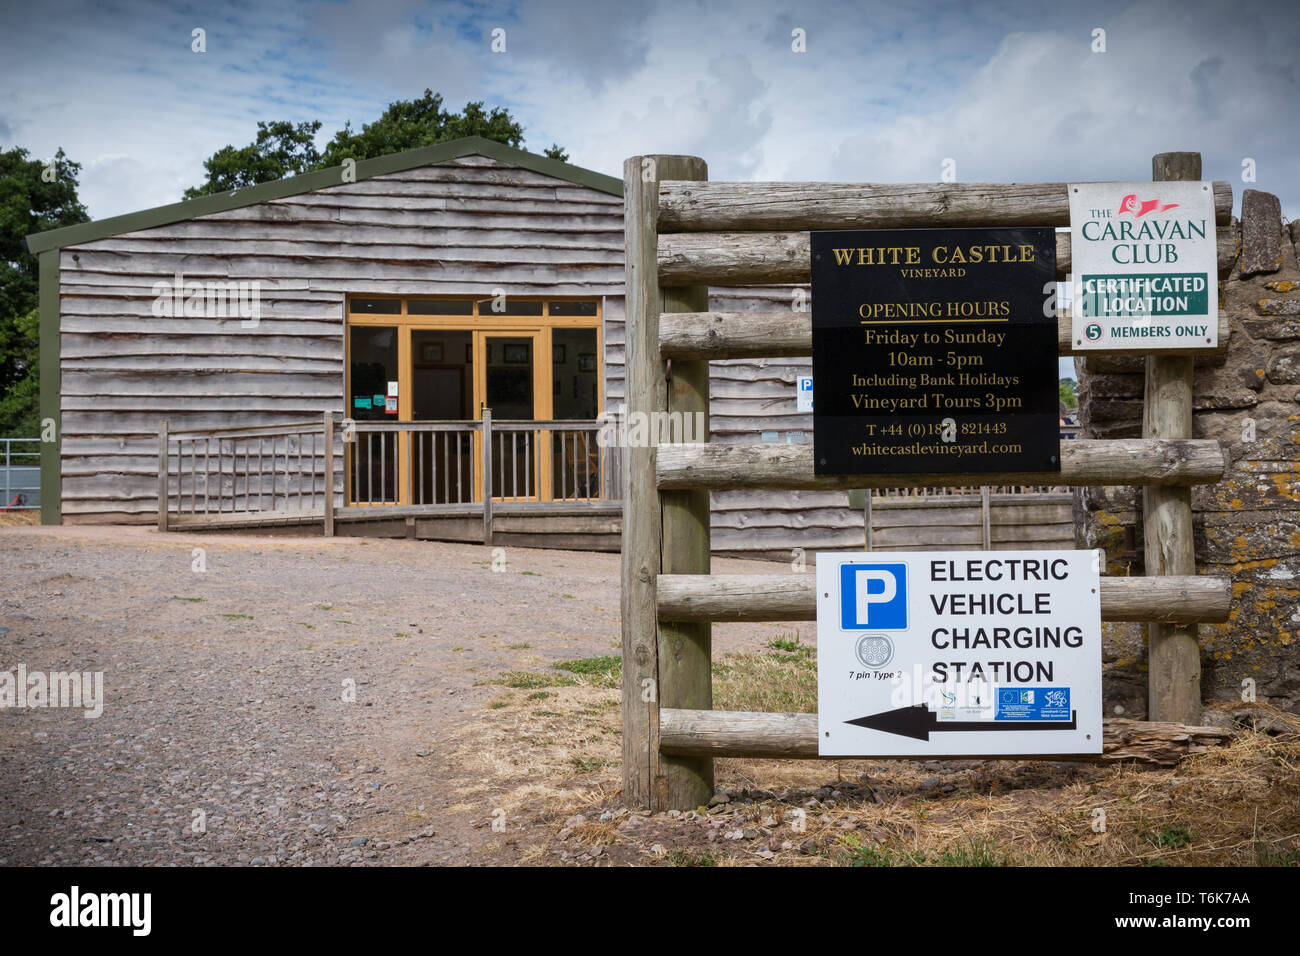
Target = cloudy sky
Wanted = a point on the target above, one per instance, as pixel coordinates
(884, 92)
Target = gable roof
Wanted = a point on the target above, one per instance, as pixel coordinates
(39, 242)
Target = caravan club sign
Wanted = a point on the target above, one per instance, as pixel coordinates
(1144, 264)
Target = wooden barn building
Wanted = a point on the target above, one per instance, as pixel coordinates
(379, 348)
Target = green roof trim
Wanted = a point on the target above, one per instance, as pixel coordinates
(319, 179)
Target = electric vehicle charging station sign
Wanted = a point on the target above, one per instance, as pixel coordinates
(959, 653)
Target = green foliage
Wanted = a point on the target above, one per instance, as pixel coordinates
(1173, 838)
(20, 415)
(1070, 393)
(281, 149)
(31, 200)
(410, 124)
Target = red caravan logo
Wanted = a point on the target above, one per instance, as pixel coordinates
(1140, 207)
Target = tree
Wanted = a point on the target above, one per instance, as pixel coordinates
(281, 149)
(409, 124)
(1069, 393)
(34, 196)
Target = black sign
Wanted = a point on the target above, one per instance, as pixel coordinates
(935, 351)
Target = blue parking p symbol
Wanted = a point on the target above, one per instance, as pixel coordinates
(874, 596)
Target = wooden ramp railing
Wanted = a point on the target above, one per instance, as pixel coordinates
(684, 234)
(301, 473)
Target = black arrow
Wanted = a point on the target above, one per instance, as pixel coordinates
(918, 723)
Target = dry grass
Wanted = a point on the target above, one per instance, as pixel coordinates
(13, 519)
(549, 753)
(781, 679)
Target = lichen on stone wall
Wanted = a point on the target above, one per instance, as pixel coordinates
(1247, 527)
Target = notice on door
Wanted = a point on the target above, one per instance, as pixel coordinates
(1145, 266)
(935, 351)
(959, 653)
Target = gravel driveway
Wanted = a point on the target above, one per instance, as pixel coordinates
(227, 734)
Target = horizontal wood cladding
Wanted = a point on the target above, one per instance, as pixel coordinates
(467, 226)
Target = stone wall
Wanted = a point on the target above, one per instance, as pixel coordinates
(1247, 527)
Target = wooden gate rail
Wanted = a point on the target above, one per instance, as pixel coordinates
(1116, 461)
(745, 335)
(793, 597)
(723, 733)
(795, 207)
(682, 234)
(764, 258)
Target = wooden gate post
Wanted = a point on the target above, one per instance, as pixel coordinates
(487, 475)
(1174, 656)
(672, 669)
(327, 432)
(164, 470)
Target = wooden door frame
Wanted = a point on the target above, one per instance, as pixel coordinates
(480, 324)
(540, 336)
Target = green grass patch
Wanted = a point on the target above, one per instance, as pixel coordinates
(774, 681)
(1268, 855)
(857, 853)
(976, 851)
(177, 597)
(596, 671)
(679, 856)
(526, 680)
(239, 617)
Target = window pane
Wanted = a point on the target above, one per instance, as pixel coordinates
(442, 375)
(509, 307)
(372, 357)
(575, 367)
(573, 308)
(439, 307)
(376, 306)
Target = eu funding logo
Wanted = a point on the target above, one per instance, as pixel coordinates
(874, 596)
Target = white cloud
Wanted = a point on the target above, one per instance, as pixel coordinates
(1010, 90)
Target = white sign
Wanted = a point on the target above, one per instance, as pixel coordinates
(958, 653)
(1144, 264)
(392, 388)
(803, 397)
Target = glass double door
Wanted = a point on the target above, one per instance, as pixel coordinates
(443, 379)
(455, 375)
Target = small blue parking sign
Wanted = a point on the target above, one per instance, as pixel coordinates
(804, 394)
(873, 595)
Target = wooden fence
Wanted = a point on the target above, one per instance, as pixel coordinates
(300, 473)
(683, 234)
